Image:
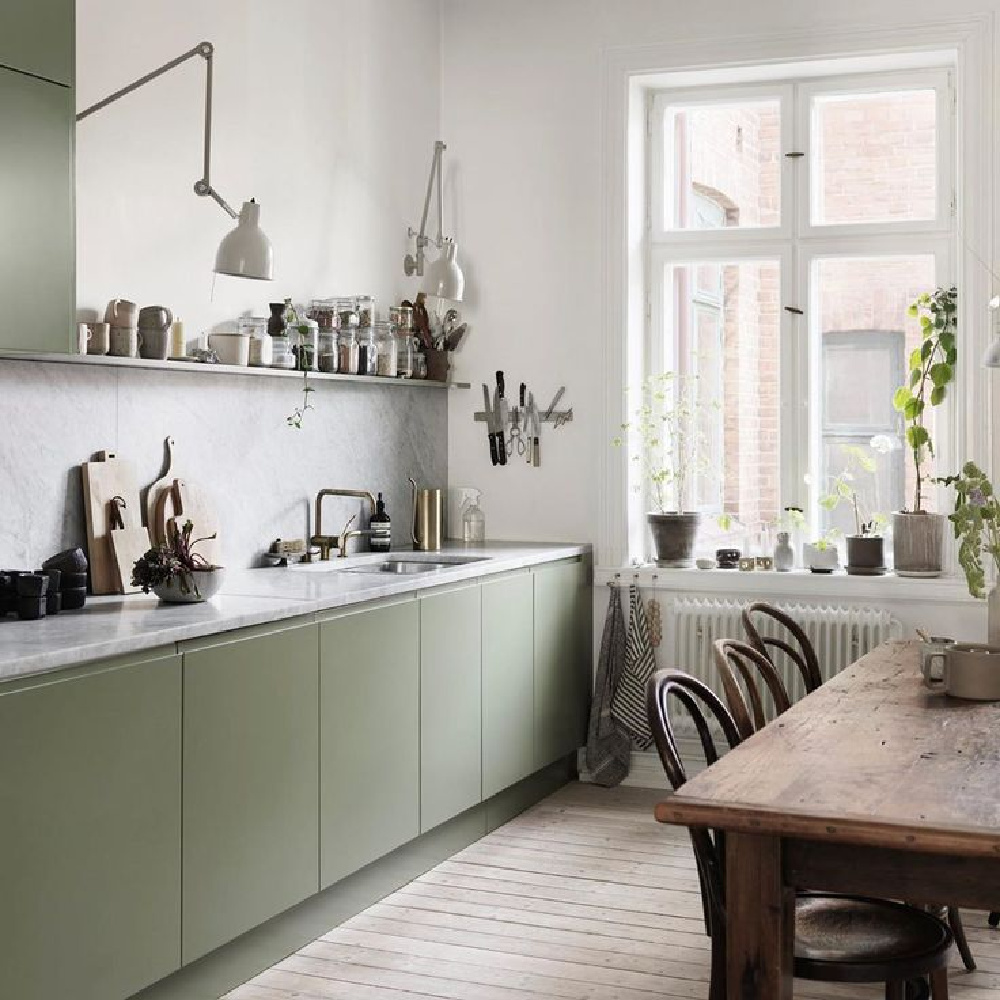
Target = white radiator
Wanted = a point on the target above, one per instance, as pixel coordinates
(839, 635)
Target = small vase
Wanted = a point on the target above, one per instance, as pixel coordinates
(993, 611)
(784, 556)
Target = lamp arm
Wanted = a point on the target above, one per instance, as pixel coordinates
(203, 186)
(422, 240)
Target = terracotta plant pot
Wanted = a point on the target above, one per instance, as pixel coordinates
(918, 544)
(673, 538)
(865, 555)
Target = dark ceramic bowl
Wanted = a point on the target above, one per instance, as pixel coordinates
(73, 581)
(74, 598)
(69, 561)
(727, 558)
(32, 585)
(53, 603)
(30, 608)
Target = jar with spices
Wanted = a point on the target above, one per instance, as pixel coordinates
(328, 360)
(261, 352)
(388, 359)
(365, 307)
(347, 347)
(324, 311)
(367, 351)
(306, 344)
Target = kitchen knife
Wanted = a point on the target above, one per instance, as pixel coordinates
(536, 433)
(501, 417)
(494, 457)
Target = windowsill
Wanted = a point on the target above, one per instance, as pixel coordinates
(799, 584)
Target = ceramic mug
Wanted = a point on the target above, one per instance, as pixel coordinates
(154, 344)
(125, 341)
(120, 312)
(98, 338)
(932, 656)
(82, 338)
(972, 672)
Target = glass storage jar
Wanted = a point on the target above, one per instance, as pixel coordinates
(347, 348)
(305, 344)
(367, 351)
(388, 358)
(260, 340)
(364, 306)
(281, 352)
(328, 359)
(324, 311)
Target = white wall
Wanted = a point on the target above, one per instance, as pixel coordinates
(325, 111)
(522, 103)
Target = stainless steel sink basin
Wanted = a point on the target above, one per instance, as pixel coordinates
(402, 566)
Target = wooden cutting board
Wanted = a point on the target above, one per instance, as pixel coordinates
(107, 477)
(194, 504)
(128, 545)
(165, 507)
(157, 486)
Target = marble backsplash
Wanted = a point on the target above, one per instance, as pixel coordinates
(232, 438)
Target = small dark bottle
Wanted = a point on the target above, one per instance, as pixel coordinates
(381, 527)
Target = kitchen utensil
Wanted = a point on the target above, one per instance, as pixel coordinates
(501, 415)
(455, 337)
(195, 505)
(232, 348)
(103, 479)
(490, 426)
(153, 490)
(166, 508)
(560, 392)
(128, 544)
(426, 531)
(535, 450)
(970, 671)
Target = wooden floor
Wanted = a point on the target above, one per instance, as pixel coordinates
(583, 897)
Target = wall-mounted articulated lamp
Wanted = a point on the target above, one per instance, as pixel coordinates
(442, 277)
(245, 252)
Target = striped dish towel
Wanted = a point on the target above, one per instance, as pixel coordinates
(628, 706)
(609, 750)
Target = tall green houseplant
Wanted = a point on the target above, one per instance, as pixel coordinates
(917, 534)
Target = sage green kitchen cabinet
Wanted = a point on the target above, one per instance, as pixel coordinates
(37, 243)
(251, 780)
(369, 736)
(508, 682)
(562, 659)
(38, 37)
(90, 828)
(451, 732)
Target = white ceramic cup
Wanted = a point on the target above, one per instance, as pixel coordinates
(232, 348)
(972, 672)
(125, 341)
(82, 338)
(99, 338)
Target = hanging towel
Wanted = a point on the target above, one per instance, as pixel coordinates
(609, 750)
(628, 706)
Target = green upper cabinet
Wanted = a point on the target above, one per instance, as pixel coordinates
(369, 736)
(451, 745)
(563, 659)
(39, 37)
(37, 252)
(508, 682)
(90, 827)
(251, 780)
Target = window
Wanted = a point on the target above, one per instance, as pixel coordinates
(789, 226)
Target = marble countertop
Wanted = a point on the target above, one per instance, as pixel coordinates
(113, 626)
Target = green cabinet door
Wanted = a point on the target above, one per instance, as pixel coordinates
(563, 645)
(39, 37)
(251, 781)
(451, 745)
(508, 682)
(369, 736)
(37, 249)
(90, 828)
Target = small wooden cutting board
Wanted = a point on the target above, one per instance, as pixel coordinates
(103, 479)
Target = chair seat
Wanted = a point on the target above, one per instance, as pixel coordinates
(865, 940)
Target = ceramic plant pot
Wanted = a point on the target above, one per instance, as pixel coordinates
(865, 555)
(673, 538)
(820, 560)
(918, 544)
(201, 585)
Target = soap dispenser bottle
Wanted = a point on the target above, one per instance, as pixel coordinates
(381, 527)
(474, 522)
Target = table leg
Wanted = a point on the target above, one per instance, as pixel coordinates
(760, 920)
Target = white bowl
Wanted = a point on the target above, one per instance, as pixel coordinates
(232, 348)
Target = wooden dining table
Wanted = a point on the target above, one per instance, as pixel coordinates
(872, 785)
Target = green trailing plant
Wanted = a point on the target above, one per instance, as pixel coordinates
(297, 417)
(976, 523)
(859, 462)
(175, 558)
(671, 445)
(932, 370)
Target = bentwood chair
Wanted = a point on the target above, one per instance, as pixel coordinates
(735, 659)
(796, 647)
(838, 938)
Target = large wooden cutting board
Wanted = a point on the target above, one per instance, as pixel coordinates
(107, 477)
(195, 505)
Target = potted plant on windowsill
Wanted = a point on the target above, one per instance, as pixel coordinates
(821, 556)
(918, 535)
(671, 448)
(976, 522)
(865, 548)
(175, 572)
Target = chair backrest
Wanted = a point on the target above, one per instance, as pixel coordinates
(709, 847)
(804, 657)
(732, 658)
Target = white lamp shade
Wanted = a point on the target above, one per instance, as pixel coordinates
(991, 357)
(443, 277)
(246, 252)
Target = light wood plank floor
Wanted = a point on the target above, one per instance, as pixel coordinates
(582, 897)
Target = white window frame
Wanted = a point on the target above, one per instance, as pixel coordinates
(795, 242)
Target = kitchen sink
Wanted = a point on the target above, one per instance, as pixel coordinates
(413, 566)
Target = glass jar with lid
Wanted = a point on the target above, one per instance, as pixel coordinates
(305, 344)
(367, 351)
(388, 358)
(328, 359)
(364, 305)
(347, 346)
(260, 340)
(324, 311)
(401, 320)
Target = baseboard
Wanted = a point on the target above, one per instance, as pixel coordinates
(229, 966)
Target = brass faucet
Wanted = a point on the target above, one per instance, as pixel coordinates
(346, 535)
(327, 542)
